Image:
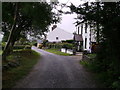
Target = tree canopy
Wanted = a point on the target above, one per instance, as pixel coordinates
(107, 16)
(23, 18)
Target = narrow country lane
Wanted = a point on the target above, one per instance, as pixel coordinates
(55, 71)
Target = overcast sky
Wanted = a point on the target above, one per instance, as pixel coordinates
(68, 19)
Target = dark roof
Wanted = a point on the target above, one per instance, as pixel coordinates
(78, 37)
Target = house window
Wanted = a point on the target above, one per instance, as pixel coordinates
(85, 27)
(78, 30)
(85, 43)
(56, 38)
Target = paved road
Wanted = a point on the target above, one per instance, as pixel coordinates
(54, 71)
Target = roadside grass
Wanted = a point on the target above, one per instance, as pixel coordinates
(98, 77)
(0, 52)
(102, 78)
(28, 58)
(91, 55)
(56, 51)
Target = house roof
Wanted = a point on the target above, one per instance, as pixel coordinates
(60, 33)
(78, 37)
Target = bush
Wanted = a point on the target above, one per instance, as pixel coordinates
(69, 41)
(54, 45)
(20, 47)
(27, 47)
(67, 46)
(35, 44)
(60, 45)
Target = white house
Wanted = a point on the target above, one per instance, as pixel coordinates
(57, 34)
(88, 36)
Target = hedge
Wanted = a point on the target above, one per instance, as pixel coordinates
(60, 45)
(20, 47)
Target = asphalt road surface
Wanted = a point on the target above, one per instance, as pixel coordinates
(55, 71)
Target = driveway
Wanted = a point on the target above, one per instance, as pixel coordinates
(55, 71)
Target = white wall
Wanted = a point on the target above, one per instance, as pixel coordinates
(60, 33)
(87, 35)
(68, 51)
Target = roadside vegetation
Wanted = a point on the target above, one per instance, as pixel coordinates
(27, 59)
(105, 78)
(0, 52)
(56, 51)
(104, 19)
(55, 47)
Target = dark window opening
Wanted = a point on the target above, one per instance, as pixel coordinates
(85, 43)
(56, 38)
(81, 28)
(85, 27)
(78, 30)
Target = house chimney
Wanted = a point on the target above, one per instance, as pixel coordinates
(54, 26)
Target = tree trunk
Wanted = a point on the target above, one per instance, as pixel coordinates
(9, 45)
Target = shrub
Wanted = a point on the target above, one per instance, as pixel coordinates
(27, 47)
(20, 47)
(116, 84)
(67, 45)
(69, 41)
(60, 45)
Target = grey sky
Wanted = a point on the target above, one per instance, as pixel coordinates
(67, 23)
(68, 20)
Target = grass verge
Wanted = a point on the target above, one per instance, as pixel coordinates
(104, 79)
(56, 51)
(91, 55)
(0, 52)
(98, 77)
(28, 58)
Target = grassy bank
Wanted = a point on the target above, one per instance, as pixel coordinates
(104, 78)
(28, 58)
(56, 51)
(0, 52)
(97, 76)
(91, 55)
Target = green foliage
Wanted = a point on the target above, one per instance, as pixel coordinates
(68, 41)
(23, 41)
(38, 15)
(0, 52)
(107, 15)
(3, 44)
(116, 84)
(45, 43)
(24, 18)
(56, 51)
(60, 45)
(54, 45)
(67, 45)
(20, 47)
(28, 59)
(91, 55)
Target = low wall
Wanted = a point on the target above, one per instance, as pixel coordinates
(69, 51)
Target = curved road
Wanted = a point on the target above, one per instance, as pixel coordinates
(55, 71)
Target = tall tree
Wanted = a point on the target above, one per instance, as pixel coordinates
(106, 15)
(25, 18)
